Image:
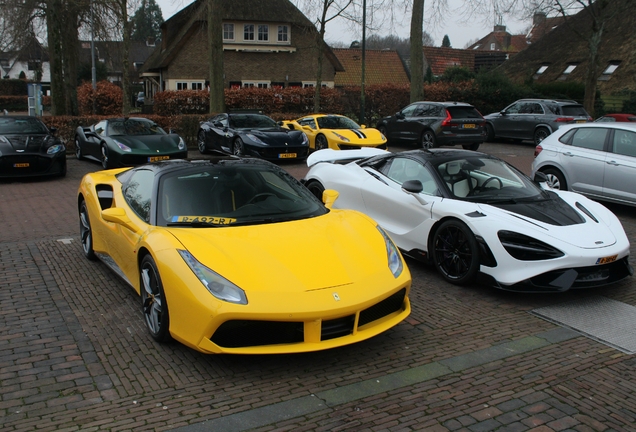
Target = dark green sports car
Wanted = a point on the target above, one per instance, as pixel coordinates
(128, 141)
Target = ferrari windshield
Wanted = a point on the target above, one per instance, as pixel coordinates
(24, 125)
(133, 127)
(251, 121)
(336, 122)
(233, 194)
(482, 179)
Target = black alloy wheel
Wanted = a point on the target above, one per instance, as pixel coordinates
(153, 301)
(201, 143)
(106, 164)
(455, 252)
(86, 233)
(238, 147)
(428, 140)
(78, 149)
(540, 134)
(321, 142)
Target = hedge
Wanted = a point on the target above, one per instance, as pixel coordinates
(14, 103)
(13, 87)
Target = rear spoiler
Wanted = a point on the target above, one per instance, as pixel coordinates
(342, 156)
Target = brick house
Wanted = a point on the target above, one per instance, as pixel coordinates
(265, 44)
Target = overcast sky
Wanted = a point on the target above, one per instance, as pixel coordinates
(460, 33)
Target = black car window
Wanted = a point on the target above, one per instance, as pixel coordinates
(337, 122)
(410, 110)
(537, 108)
(526, 108)
(251, 121)
(100, 128)
(138, 192)
(464, 112)
(574, 110)
(553, 108)
(234, 194)
(624, 142)
(27, 125)
(133, 127)
(514, 108)
(220, 119)
(589, 138)
(308, 121)
(429, 110)
(402, 169)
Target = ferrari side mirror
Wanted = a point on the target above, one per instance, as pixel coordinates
(118, 215)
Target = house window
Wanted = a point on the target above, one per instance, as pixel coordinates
(609, 70)
(568, 70)
(542, 69)
(248, 32)
(197, 86)
(492, 46)
(228, 31)
(263, 33)
(259, 84)
(283, 33)
(182, 86)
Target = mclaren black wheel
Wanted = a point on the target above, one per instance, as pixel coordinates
(455, 252)
(316, 188)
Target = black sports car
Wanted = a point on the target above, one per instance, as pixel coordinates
(29, 148)
(251, 134)
(127, 141)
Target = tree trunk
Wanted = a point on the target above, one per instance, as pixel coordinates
(125, 81)
(54, 39)
(591, 75)
(417, 54)
(215, 44)
(70, 54)
(320, 46)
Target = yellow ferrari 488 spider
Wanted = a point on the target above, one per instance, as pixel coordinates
(236, 256)
(336, 132)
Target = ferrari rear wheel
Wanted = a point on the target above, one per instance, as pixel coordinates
(455, 252)
(316, 188)
(428, 140)
(86, 233)
(78, 149)
(321, 142)
(105, 160)
(237, 147)
(153, 301)
(201, 142)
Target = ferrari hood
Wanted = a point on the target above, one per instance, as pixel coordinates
(311, 254)
(275, 135)
(149, 142)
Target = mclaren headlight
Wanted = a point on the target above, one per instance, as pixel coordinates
(525, 248)
(218, 286)
(393, 255)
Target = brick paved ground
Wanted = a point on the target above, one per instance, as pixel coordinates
(74, 354)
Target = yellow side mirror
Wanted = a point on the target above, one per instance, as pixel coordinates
(118, 215)
(329, 196)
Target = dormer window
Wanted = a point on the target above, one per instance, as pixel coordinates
(263, 32)
(609, 70)
(568, 70)
(283, 33)
(228, 31)
(542, 69)
(248, 32)
(492, 46)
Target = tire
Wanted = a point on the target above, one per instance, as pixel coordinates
(203, 149)
(237, 147)
(540, 134)
(556, 179)
(321, 142)
(428, 140)
(106, 163)
(490, 132)
(86, 232)
(316, 188)
(153, 301)
(78, 150)
(473, 147)
(455, 252)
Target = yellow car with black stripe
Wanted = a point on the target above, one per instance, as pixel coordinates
(336, 132)
(234, 255)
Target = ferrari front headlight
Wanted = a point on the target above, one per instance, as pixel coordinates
(254, 138)
(218, 286)
(123, 146)
(340, 137)
(305, 139)
(393, 255)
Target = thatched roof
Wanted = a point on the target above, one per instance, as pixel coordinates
(565, 46)
(380, 67)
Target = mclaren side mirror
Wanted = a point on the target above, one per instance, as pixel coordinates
(413, 188)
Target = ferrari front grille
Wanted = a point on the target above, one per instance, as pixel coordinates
(247, 333)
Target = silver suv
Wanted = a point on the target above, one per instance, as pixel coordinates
(534, 119)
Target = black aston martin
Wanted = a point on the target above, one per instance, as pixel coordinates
(251, 134)
(29, 148)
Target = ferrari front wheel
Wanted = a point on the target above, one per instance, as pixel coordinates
(316, 188)
(237, 147)
(86, 233)
(78, 149)
(153, 301)
(321, 142)
(455, 252)
(201, 142)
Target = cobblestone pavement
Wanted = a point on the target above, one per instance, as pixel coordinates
(75, 355)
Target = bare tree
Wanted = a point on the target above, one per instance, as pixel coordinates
(215, 43)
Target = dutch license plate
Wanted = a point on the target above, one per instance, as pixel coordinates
(469, 126)
(606, 260)
(157, 158)
(286, 155)
(21, 165)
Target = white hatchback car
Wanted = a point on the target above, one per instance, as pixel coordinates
(593, 159)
